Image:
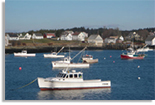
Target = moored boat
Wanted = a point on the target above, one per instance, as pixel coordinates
(66, 62)
(54, 54)
(89, 59)
(24, 54)
(132, 55)
(67, 80)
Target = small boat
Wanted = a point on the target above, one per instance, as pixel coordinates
(132, 55)
(89, 59)
(67, 80)
(24, 54)
(54, 54)
(66, 62)
(144, 49)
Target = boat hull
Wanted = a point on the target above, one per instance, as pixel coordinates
(24, 55)
(90, 60)
(53, 56)
(131, 57)
(75, 65)
(71, 85)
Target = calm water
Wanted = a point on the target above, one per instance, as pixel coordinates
(122, 73)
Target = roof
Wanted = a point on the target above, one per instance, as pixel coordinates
(13, 35)
(92, 37)
(150, 37)
(76, 33)
(38, 34)
(50, 34)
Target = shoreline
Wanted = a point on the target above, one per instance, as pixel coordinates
(44, 49)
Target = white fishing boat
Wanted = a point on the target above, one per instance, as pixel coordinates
(89, 59)
(144, 49)
(24, 54)
(67, 80)
(66, 62)
(54, 54)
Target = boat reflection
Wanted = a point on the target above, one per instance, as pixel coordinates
(84, 94)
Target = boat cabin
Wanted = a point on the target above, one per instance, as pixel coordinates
(73, 74)
(87, 56)
(24, 51)
(54, 53)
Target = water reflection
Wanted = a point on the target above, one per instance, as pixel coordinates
(85, 94)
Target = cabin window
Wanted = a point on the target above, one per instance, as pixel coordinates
(64, 75)
(75, 75)
(71, 75)
(67, 76)
(80, 75)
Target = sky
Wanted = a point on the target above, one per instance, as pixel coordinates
(26, 15)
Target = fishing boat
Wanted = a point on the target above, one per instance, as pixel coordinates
(54, 54)
(132, 55)
(89, 59)
(68, 80)
(67, 62)
(24, 54)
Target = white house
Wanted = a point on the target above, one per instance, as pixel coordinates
(109, 40)
(37, 36)
(121, 38)
(80, 36)
(96, 40)
(150, 40)
(12, 37)
(67, 36)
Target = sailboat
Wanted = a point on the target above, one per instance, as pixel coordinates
(66, 62)
(54, 54)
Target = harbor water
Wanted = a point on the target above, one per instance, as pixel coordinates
(130, 79)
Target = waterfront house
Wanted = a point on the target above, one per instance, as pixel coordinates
(150, 40)
(109, 40)
(80, 36)
(96, 40)
(67, 36)
(37, 36)
(132, 35)
(12, 37)
(49, 35)
(27, 36)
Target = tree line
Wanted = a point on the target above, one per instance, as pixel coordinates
(103, 31)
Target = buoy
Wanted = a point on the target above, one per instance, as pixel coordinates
(138, 77)
(138, 66)
(110, 56)
(113, 61)
(20, 68)
(104, 58)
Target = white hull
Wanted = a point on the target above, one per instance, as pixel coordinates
(74, 65)
(45, 84)
(53, 56)
(90, 60)
(24, 55)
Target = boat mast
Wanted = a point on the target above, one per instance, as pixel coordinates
(60, 49)
(78, 53)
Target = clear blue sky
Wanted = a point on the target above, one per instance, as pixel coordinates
(25, 15)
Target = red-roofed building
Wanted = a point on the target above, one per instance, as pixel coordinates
(49, 35)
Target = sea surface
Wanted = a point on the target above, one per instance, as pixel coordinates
(123, 74)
